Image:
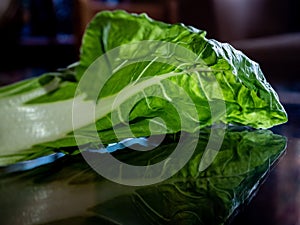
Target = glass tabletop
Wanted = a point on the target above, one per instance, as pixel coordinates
(278, 199)
(68, 190)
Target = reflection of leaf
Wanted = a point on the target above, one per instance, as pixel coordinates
(70, 192)
(211, 196)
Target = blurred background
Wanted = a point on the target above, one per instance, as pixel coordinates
(43, 35)
(37, 36)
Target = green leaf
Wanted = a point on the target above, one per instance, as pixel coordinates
(249, 98)
(151, 78)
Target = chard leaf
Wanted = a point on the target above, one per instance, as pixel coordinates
(63, 110)
(249, 98)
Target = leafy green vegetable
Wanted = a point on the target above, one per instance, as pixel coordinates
(38, 114)
(69, 191)
(250, 100)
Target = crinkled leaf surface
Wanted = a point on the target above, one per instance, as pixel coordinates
(37, 114)
(249, 98)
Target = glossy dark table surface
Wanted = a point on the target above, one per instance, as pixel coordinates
(277, 201)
